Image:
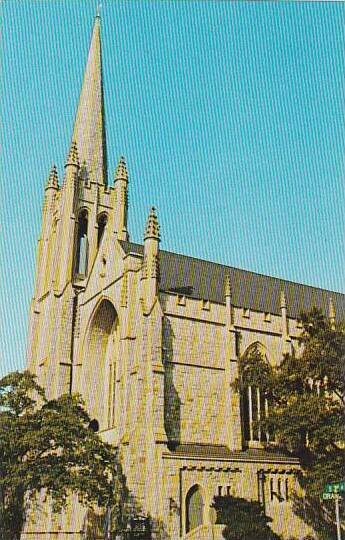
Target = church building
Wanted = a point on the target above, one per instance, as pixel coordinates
(152, 339)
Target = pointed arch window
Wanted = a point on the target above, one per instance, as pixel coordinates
(194, 508)
(101, 222)
(82, 245)
(254, 398)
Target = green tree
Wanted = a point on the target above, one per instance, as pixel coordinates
(48, 445)
(244, 520)
(306, 394)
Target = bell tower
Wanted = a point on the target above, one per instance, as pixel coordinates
(76, 216)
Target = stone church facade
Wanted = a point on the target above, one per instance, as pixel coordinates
(151, 339)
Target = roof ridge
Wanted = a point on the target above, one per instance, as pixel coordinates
(284, 280)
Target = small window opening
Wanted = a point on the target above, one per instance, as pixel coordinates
(94, 425)
(206, 305)
(181, 300)
(238, 343)
(103, 268)
(271, 489)
(220, 488)
(102, 221)
(82, 244)
(287, 489)
(228, 491)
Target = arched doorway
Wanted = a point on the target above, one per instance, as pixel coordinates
(194, 508)
(99, 364)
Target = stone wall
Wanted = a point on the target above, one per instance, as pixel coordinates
(243, 479)
(194, 386)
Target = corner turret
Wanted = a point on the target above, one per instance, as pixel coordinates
(228, 301)
(150, 269)
(120, 200)
(53, 179)
(45, 246)
(64, 270)
(286, 349)
(331, 313)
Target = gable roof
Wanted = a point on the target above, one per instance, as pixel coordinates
(214, 452)
(201, 279)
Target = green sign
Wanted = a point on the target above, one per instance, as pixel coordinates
(335, 487)
(329, 496)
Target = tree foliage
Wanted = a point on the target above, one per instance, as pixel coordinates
(244, 520)
(306, 393)
(48, 445)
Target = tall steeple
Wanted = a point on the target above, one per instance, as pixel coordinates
(89, 125)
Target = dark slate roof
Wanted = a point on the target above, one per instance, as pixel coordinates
(205, 280)
(214, 451)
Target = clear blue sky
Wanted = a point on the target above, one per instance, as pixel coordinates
(230, 116)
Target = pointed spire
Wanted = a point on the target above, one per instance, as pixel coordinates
(72, 158)
(121, 172)
(227, 285)
(53, 181)
(331, 312)
(89, 126)
(152, 225)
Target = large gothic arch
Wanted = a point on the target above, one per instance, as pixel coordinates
(100, 353)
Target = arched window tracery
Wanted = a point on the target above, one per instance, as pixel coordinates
(255, 405)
